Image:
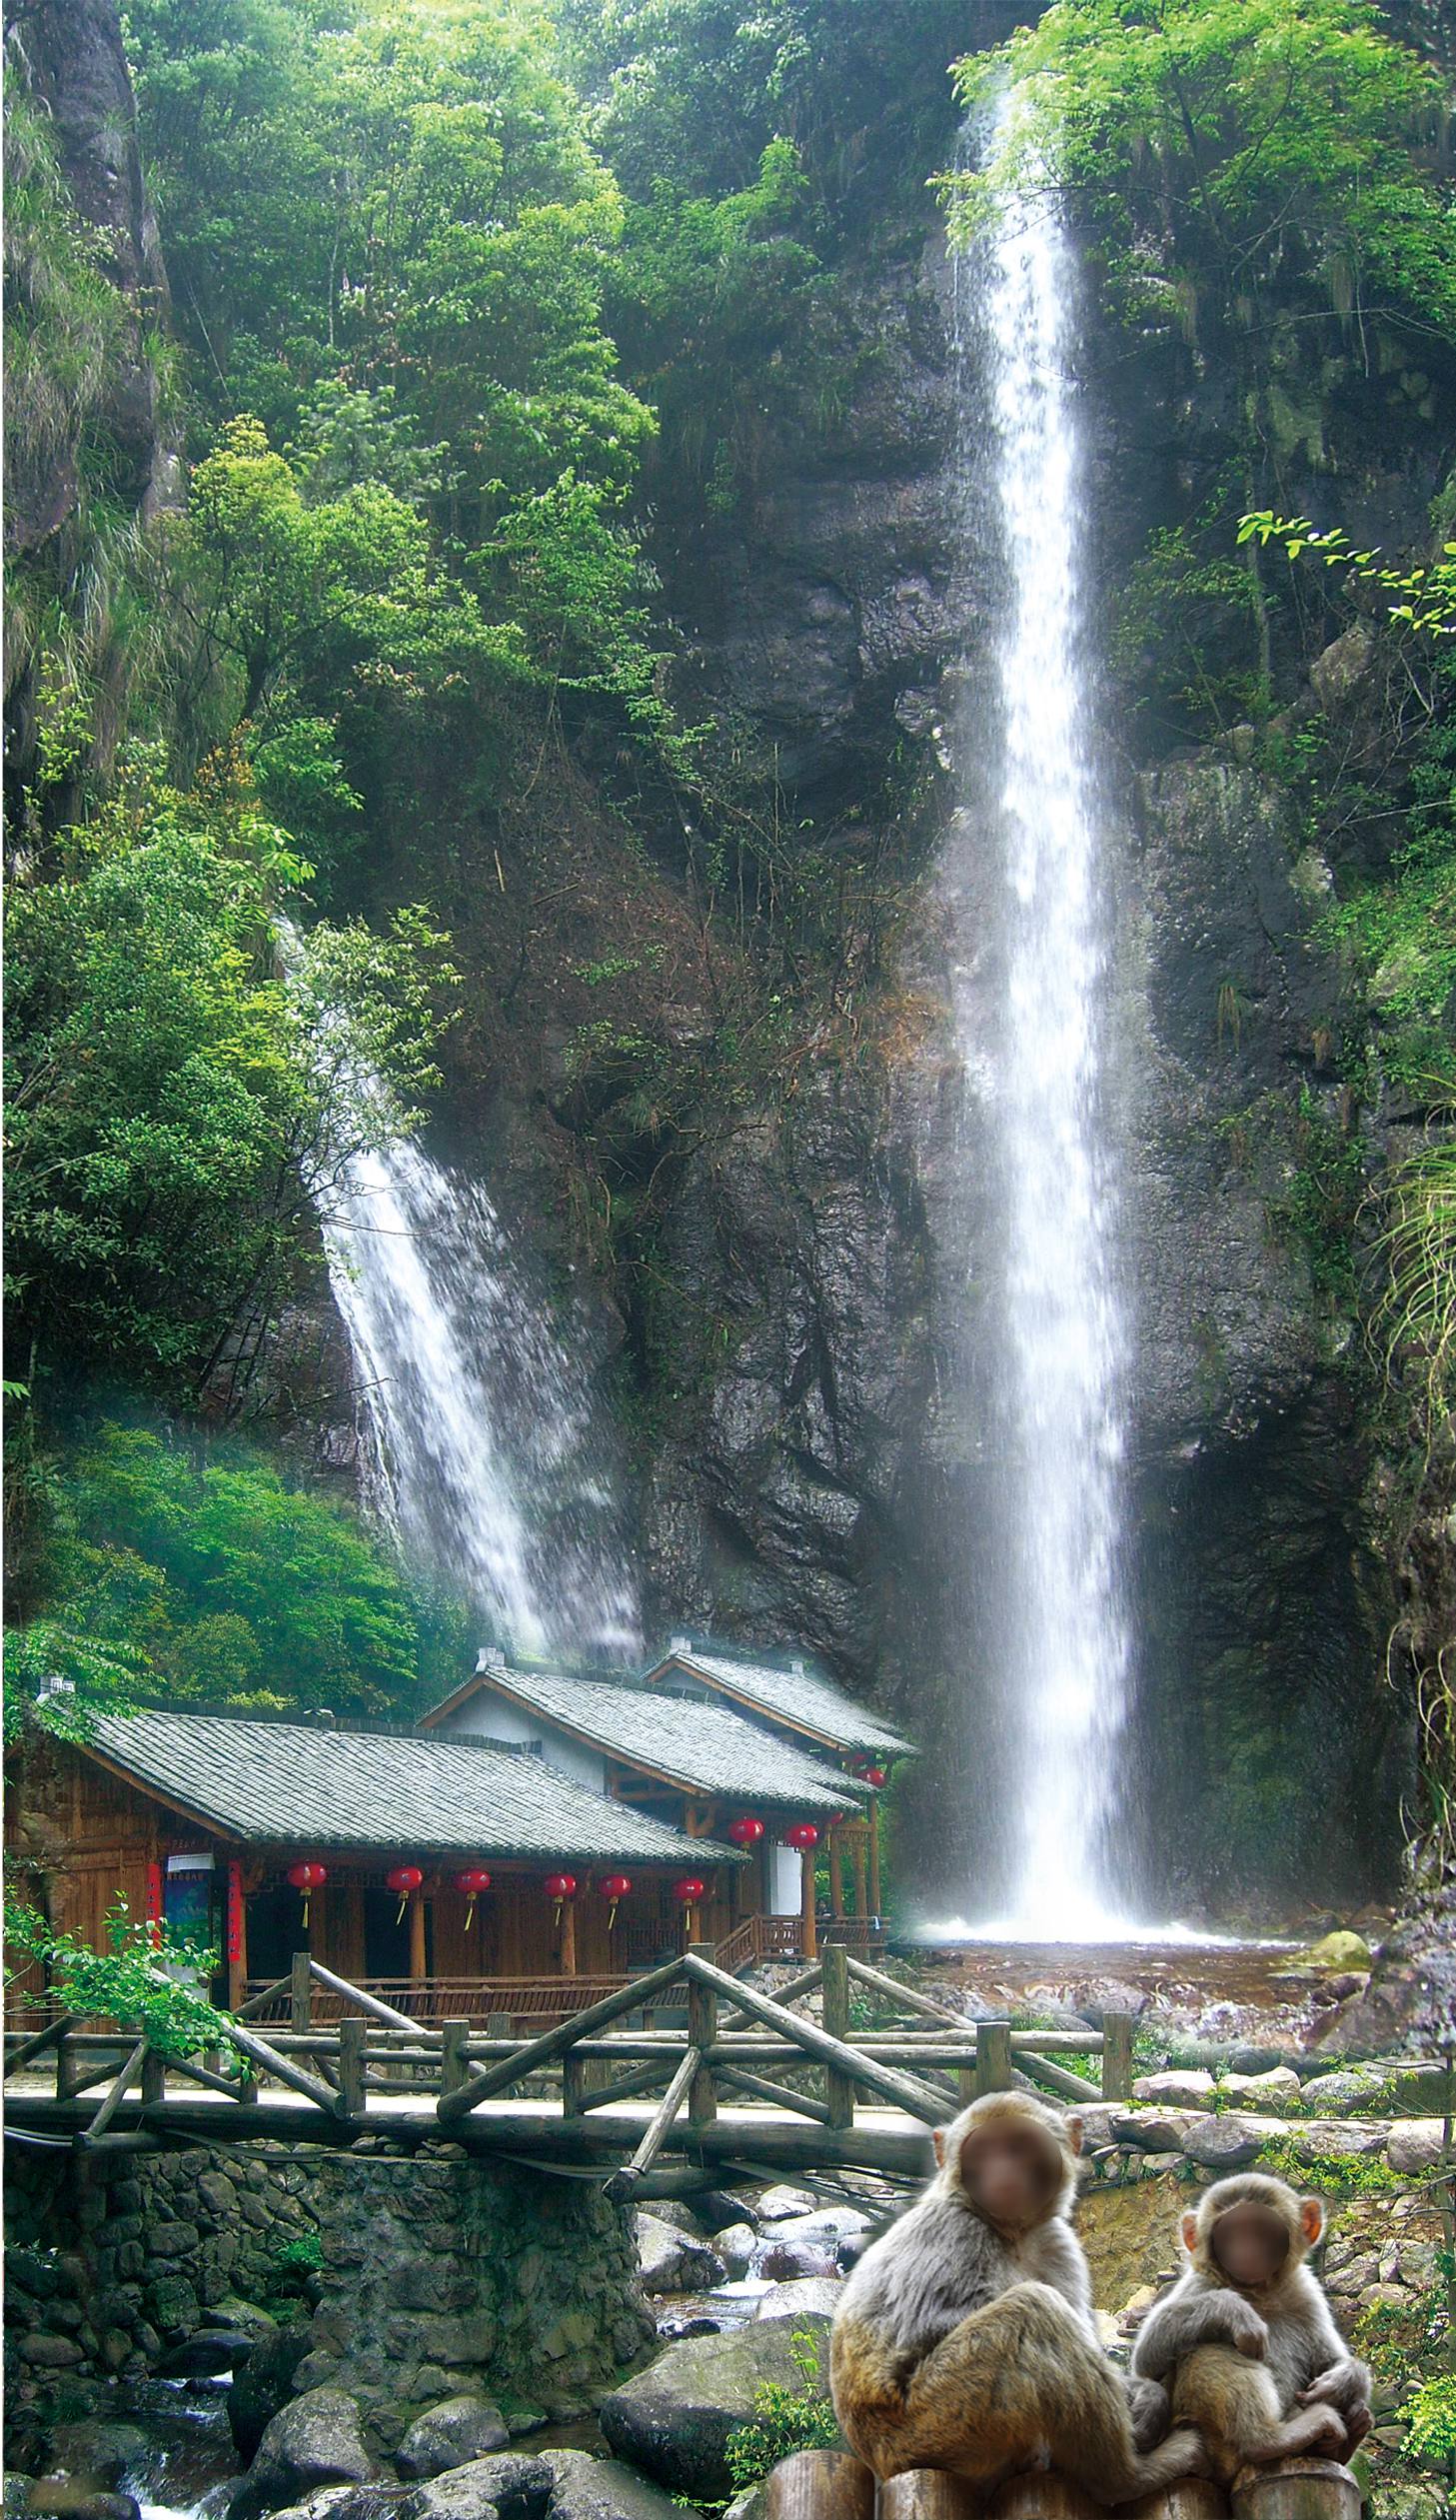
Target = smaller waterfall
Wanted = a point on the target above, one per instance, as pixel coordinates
(481, 1453)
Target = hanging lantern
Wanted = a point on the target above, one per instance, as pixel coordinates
(689, 1890)
(745, 1831)
(561, 1886)
(803, 1835)
(472, 1882)
(405, 1879)
(308, 1877)
(837, 1820)
(874, 1775)
(614, 1888)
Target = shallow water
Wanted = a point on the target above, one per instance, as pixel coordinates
(190, 2462)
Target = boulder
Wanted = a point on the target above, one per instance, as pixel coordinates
(1189, 2088)
(1331, 2139)
(76, 2498)
(243, 2318)
(1280, 2084)
(816, 2296)
(206, 2354)
(317, 2439)
(1342, 1949)
(264, 2387)
(716, 2207)
(456, 2432)
(1414, 2144)
(1156, 2131)
(584, 2488)
(827, 2225)
(100, 2452)
(350, 2502)
(776, 2204)
(1224, 2144)
(789, 2261)
(670, 2261)
(736, 2243)
(1337, 2094)
(513, 2484)
(674, 2418)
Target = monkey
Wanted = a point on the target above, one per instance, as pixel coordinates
(965, 2337)
(1246, 2337)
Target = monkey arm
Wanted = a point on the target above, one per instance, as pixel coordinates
(1197, 2316)
(1344, 2384)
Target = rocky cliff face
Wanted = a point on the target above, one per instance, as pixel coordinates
(827, 1479)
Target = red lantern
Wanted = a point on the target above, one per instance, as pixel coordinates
(614, 1888)
(561, 1886)
(746, 1831)
(308, 1877)
(874, 1775)
(689, 1890)
(472, 1882)
(804, 1834)
(405, 1879)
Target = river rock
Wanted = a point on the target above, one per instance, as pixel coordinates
(736, 2243)
(827, 2224)
(350, 2502)
(1342, 1949)
(1281, 2082)
(316, 2440)
(264, 2387)
(76, 2498)
(776, 2204)
(1189, 2088)
(1336, 2140)
(1414, 2144)
(716, 2207)
(451, 2435)
(1336, 2094)
(206, 2354)
(669, 2260)
(98, 2451)
(584, 2488)
(816, 2296)
(788, 2261)
(675, 2419)
(243, 2318)
(514, 2484)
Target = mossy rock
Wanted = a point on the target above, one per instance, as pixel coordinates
(1342, 1949)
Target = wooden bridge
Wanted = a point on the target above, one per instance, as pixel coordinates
(734, 2081)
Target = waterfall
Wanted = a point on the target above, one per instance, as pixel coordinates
(1031, 1015)
(479, 1450)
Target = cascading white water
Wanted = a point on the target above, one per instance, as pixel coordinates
(475, 1423)
(1059, 1372)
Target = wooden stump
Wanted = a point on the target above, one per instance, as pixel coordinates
(1192, 2498)
(820, 2485)
(1043, 2494)
(1297, 2489)
(929, 2493)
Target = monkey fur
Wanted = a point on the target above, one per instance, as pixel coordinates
(1246, 2342)
(965, 2338)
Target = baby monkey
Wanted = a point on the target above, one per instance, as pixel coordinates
(1245, 2338)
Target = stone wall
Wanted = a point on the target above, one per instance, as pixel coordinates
(418, 2275)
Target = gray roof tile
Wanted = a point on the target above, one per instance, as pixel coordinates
(709, 1749)
(299, 1785)
(801, 1697)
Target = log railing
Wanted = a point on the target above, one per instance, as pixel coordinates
(343, 2045)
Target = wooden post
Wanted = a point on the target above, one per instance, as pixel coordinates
(809, 1936)
(453, 2062)
(236, 1937)
(154, 2077)
(858, 1842)
(500, 2026)
(1045, 2496)
(992, 2056)
(573, 2084)
(416, 1938)
(1192, 2498)
(875, 1903)
(927, 2493)
(836, 1877)
(299, 1991)
(352, 2032)
(838, 2087)
(1295, 2489)
(820, 2485)
(702, 2032)
(568, 1938)
(1116, 2056)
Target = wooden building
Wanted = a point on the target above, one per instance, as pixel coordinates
(535, 1828)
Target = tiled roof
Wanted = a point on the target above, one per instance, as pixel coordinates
(295, 1784)
(706, 1749)
(795, 1697)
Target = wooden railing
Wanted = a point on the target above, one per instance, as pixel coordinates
(345, 2044)
(761, 1938)
(435, 1999)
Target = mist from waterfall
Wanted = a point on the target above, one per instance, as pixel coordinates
(481, 1457)
(1032, 1016)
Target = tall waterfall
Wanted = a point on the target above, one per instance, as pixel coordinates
(1032, 1022)
(478, 1435)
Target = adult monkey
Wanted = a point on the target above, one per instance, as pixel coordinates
(1246, 2342)
(964, 2338)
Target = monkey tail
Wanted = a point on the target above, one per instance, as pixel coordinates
(1183, 2454)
